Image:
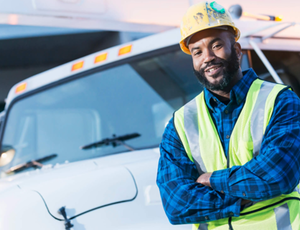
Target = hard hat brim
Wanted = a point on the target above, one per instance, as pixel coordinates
(186, 50)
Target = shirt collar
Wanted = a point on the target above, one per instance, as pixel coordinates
(238, 92)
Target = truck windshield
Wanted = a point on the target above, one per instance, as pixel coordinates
(139, 96)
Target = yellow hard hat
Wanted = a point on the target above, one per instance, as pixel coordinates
(202, 16)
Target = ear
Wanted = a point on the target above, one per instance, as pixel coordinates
(238, 50)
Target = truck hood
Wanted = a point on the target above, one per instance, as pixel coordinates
(83, 189)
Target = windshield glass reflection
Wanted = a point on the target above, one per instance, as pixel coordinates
(137, 97)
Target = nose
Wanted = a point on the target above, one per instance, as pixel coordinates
(208, 55)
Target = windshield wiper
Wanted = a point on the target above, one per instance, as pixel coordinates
(115, 141)
(34, 163)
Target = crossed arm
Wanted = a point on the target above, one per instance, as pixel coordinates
(190, 198)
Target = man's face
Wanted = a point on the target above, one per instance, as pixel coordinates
(215, 58)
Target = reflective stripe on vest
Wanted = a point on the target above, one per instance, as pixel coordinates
(201, 141)
(282, 215)
(257, 119)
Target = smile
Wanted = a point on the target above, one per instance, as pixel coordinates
(213, 70)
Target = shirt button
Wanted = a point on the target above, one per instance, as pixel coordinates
(231, 214)
(206, 218)
(226, 111)
(244, 194)
(227, 136)
(222, 191)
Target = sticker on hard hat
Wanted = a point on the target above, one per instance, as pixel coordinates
(215, 6)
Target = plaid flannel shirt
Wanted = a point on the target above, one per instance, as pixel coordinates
(275, 171)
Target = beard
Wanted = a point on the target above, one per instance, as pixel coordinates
(230, 68)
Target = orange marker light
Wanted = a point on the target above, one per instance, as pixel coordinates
(125, 50)
(278, 18)
(77, 65)
(20, 88)
(100, 58)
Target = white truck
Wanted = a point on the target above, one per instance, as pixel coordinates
(79, 143)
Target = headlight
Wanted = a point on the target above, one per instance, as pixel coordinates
(7, 156)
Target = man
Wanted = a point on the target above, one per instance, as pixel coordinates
(230, 157)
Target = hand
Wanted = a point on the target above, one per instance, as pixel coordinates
(204, 179)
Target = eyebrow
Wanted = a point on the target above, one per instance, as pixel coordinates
(214, 40)
(195, 48)
(210, 43)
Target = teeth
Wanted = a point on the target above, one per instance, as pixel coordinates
(210, 70)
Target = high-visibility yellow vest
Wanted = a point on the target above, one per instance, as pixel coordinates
(201, 141)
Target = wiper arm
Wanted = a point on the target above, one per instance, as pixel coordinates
(115, 141)
(34, 163)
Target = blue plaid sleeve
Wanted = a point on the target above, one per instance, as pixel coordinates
(276, 170)
(184, 200)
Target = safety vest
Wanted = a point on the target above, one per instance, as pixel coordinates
(201, 141)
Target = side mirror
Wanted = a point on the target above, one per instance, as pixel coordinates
(235, 11)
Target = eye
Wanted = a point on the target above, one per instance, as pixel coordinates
(197, 53)
(217, 46)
